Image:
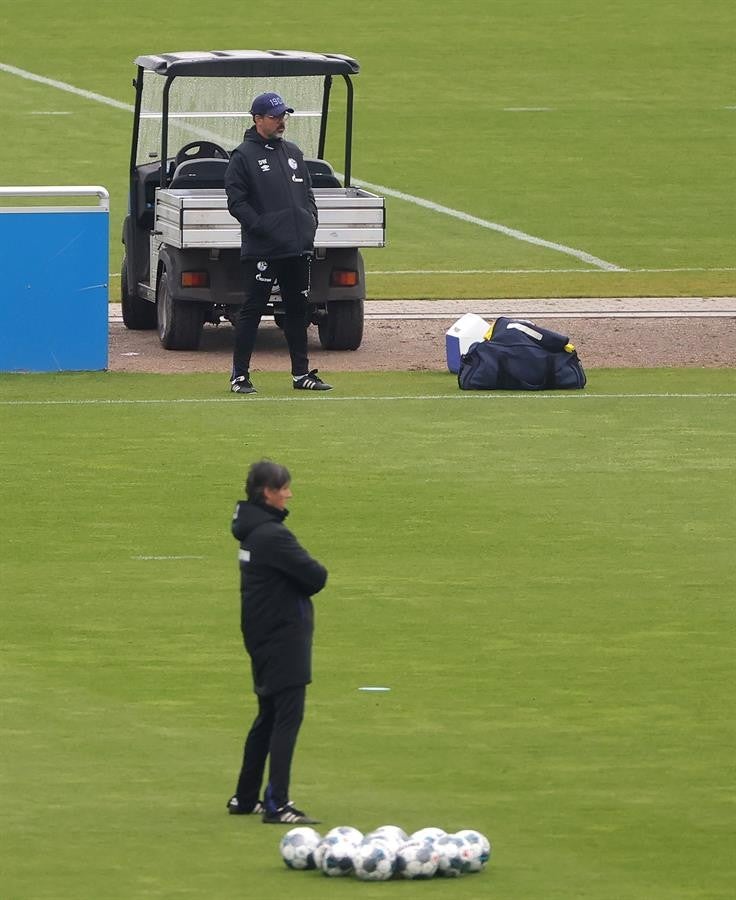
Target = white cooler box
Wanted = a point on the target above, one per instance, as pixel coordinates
(466, 331)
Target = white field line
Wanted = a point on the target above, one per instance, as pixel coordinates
(528, 271)
(582, 255)
(63, 86)
(558, 314)
(462, 396)
(146, 558)
(524, 271)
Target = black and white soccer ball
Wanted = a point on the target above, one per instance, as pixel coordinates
(428, 834)
(374, 860)
(392, 834)
(417, 859)
(297, 847)
(346, 831)
(480, 848)
(334, 835)
(319, 852)
(337, 856)
(454, 855)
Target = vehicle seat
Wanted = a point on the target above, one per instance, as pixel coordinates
(199, 173)
(322, 174)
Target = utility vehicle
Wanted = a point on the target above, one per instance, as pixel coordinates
(181, 265)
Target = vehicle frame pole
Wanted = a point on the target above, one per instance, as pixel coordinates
(325, 112)
(348, 130)
(165, 129)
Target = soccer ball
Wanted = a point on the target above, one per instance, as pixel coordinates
(319, 852)
(297, 848)
(417, 859)
(454, 855)
(428, 834)
(346, 831)
(343, 833)
(337, 858)
(391, 834)
(480, 848)
(374, 860)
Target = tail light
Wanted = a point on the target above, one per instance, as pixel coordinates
(343, 278)
(195, 279)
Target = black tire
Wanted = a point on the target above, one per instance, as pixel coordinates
(179, 323)
(342, 326)
(138, 314)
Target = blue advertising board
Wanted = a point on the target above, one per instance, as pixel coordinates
(54, 290)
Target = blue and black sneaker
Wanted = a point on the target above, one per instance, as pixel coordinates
(288, 815)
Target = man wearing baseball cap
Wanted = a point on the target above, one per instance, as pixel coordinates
(269, 192)
(269, 104)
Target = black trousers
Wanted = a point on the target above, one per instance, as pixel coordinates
(292, 274)
(272, 735)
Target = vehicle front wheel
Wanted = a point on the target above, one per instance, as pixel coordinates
(138, 314)
(179, 323)
(341, 328)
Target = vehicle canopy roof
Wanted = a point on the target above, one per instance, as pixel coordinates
(248, 63)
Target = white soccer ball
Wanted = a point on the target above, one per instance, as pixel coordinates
(297, 847)
(454, 855)
(319, 852)
(417, 859)
(344, 834)
(346, 831)
(337, 858)
(427, 834)
(374, 860)
(480, 848)
(392, 834)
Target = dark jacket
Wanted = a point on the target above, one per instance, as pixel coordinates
(269, 192)
(277, 578)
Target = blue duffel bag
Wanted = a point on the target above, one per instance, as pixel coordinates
(521, 356)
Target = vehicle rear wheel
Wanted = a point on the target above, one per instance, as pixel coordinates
(341, 328)
(179, 323)
(138, 314)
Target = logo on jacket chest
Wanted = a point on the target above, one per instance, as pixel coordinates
(263, 163)
(295, 165)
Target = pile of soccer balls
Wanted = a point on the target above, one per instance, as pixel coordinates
(386, 852)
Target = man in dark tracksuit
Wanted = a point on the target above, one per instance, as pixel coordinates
(269, 192)
(277, 579)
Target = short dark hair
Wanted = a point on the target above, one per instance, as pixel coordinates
(265, 474)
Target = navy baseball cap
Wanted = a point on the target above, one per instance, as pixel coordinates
(269, 104)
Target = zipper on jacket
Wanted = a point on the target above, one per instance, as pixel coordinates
(287, 170)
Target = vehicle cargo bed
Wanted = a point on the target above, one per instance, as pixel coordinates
(348, 217)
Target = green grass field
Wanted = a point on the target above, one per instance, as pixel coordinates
(605, 128)
(545, 582)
